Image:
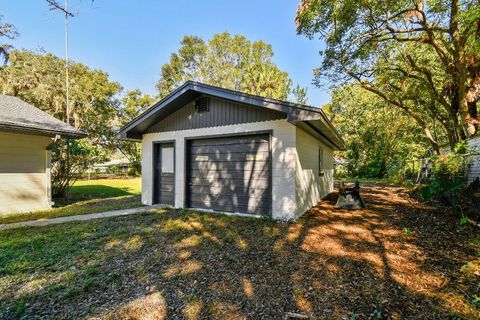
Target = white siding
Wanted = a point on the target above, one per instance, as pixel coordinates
(474, 165)
(310, 186)
(24, 167)
(474, 170)
(283, 161)
(296, 185)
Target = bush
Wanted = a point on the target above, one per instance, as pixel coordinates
(449, 177)
(133, 172)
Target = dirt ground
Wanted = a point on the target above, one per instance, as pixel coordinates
(396, 259)
(398, 256)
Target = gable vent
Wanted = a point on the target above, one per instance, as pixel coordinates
(202, 104)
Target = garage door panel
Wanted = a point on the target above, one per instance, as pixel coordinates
(231, 207)
(234, 148)
(229, 165)
(238, 184)
(210, 174)
(249, 156)
(233, 142)
(216, 190)
(230, 174)
(237, 201)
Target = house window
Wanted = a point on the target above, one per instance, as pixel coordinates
(167, 160)
(320, 161)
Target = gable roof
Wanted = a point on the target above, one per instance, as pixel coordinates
(18, 116)
(311, 119)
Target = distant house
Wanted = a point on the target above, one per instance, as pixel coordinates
(210, 148)
(473, 164)
(113, 166)
(26, 134)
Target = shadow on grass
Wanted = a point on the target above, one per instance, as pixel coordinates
(177, 264)
(88, 192)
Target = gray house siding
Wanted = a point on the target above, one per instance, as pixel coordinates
(221, 113)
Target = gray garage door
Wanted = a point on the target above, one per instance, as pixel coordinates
(231, 174)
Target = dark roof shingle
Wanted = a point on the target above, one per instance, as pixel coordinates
(17, 115)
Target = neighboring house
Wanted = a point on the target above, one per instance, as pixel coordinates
(474, 162)
(210, 148)
(474, 167)
(26, 133)
(112, 166)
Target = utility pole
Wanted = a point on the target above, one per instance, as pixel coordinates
(55, 6)
(67, 80)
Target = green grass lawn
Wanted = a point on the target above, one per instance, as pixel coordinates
(88, 196)
(181, 264)
(105, 188)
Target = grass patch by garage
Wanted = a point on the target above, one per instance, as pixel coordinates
(172, 264)
(88, 196)
(102, 189)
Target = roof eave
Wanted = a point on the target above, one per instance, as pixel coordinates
(295, 113)
(42, 132)
(125, 136)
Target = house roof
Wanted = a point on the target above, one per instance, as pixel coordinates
(309, 118)
(18, 116)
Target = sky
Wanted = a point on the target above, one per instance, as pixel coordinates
(132, 39)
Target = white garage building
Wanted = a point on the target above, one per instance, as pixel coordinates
(210, 148)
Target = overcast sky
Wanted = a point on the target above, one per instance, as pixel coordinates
(131, 39)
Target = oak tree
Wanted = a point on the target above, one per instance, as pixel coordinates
(420, 56)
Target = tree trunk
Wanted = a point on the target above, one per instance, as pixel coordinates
(408, 110)
(460, 70)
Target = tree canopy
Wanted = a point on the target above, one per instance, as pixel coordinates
(99, 107)
(231, 62)
(420, 56)
(7, 30)
(133, 103)
(39, 78)
(379, 139)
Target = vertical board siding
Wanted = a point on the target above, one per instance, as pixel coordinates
(221, 113)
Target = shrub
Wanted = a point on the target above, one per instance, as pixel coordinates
(449, 176)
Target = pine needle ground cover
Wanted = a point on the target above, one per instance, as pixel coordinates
(179, 264)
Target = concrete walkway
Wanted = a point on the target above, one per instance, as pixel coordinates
(83, 217)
